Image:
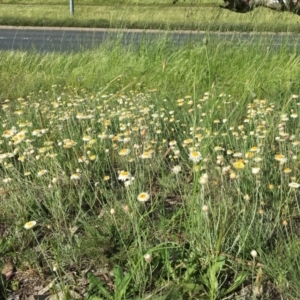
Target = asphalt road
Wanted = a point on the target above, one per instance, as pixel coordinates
(71, 39)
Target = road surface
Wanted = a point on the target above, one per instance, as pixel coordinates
(72, 39)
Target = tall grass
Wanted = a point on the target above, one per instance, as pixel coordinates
(207, 137)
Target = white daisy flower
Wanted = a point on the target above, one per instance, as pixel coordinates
(30, 225)
(124, 175)
(195, 156)
(143, 197)
(176, 169)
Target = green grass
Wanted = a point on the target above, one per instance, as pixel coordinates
(108, 2)
(207, 16)
(73, 114)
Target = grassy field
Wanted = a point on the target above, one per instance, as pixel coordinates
(152, 173)
(157, 173)
(204, 15)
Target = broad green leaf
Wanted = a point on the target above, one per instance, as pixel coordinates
(219, 263)
(204, 280)
(118, 274)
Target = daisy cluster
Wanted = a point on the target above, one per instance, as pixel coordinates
(109, 140)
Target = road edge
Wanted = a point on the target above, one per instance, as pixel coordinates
(87, 29)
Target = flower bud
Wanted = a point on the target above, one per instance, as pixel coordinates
(148, 257)
(253, 253)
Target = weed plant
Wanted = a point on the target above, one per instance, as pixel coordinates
(153, 173)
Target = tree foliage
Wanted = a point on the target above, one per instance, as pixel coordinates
(244, 6)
